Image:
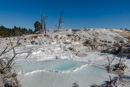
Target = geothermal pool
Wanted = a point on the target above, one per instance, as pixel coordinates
(56, 65)
(59, 73)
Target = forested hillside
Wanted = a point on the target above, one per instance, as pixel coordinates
(16, 31)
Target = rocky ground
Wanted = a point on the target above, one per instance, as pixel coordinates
(79, 43)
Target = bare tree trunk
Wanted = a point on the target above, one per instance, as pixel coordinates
(45, 29)
(60, 20)
(43, 22)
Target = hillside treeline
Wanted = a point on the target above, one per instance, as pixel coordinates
(16, 31)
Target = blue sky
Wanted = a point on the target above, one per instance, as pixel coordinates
(77, 13)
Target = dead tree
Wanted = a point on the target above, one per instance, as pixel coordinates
(118, 68)
(110, 83)
(60, 21)
(43, 22)
(109, 62)
(9, 78)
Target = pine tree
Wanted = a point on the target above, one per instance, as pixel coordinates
(37, 26)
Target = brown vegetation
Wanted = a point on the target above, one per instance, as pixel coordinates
(122, 31)
(31, 37)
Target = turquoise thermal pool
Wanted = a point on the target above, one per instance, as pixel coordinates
(58, 65)
(59, 73)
